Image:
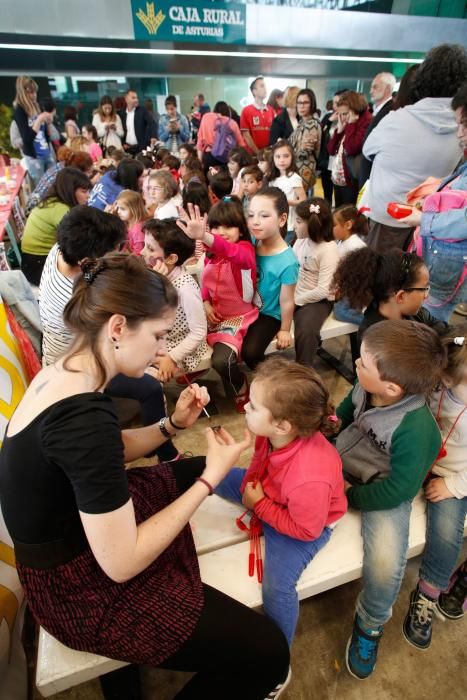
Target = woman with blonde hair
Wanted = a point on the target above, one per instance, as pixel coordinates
(285, 123)
(34, 128)
(129, 207)
(108, 124)
(163, 191)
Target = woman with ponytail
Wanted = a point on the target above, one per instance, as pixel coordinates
(106, 555)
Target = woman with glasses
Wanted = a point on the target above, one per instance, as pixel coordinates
(306, 139)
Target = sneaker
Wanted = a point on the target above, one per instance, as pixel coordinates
(461, 309)
(417, 627)
(362, 649)
(242, 399)
(454, 603)
(279, 689)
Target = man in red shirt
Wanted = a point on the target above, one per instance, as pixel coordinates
(256, 119)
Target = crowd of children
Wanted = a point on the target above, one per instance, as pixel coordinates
(275, 265)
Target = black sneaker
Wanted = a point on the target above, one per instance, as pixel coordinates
(362, 649)
(418, 621)
(454, 603)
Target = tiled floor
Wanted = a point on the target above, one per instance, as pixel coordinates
(403, 673)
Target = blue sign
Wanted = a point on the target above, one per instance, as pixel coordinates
(195, 21)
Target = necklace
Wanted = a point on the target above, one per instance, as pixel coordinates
(443, 452)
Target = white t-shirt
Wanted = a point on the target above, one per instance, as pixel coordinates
(351, 244)
(288, 183)
(130, 128)
(55, 292)
(169, 209)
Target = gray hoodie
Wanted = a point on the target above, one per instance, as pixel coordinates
(407, 146)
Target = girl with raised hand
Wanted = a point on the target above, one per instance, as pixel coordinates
(228, 287)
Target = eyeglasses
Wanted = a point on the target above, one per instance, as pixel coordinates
(425, 290)
(302, 104)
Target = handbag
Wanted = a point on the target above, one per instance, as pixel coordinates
(353, 165)
(338, 172)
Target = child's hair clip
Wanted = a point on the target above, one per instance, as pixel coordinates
(459, 340)
(333, 418)
(314, 209)
(227, 199)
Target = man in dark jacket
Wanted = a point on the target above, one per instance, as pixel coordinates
(139, 129)
(381, 91)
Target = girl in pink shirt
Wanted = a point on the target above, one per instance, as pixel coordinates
(129, 207)
(228, 286)
(294, 486)
(90, 134)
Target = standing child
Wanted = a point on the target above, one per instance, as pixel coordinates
(283, 174)
(349, 225)
(228, 287)
(293, 466)
(446, 493)
(317, 254)
(90, 134)
(239, 158)
(391, 286)
(277, 275)
(165, 243)
(129, 207)
(252, 181)
(388, 441)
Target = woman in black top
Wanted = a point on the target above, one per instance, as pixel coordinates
(34, 127)
(106, 556)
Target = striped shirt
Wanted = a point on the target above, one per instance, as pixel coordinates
(55, 291)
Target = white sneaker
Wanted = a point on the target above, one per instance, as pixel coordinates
(278, 690)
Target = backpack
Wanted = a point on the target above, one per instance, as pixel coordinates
(15, 137)
(224, 140)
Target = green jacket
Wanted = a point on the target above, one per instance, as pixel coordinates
(386, 451)
(40, 232)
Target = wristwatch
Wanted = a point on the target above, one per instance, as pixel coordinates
(163, 429)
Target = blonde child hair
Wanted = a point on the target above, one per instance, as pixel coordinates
(79, 143)
(135, 203)
(24, 87)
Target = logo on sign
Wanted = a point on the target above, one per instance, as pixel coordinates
(149, 19)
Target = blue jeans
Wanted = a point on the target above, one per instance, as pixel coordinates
(36, 167)
(385, 543)
(444, 537)
(284, 562)
(343, 312)
(442, 313)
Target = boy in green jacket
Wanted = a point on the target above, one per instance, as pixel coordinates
(388, 442)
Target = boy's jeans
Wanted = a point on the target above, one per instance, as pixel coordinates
(285, 560)
(444, 537)
(385, 543)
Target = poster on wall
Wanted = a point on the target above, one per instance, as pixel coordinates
(194, 21)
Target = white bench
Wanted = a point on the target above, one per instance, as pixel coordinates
(223, 557)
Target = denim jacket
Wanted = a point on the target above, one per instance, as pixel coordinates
(446, 260)
(166, 136)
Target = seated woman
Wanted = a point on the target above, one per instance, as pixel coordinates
(71, 187)
(66, 158)
(106, 555)
(128, 176)
(85, 234)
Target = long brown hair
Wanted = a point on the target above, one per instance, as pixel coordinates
(106, 100)
(24, 86)
(115, 284)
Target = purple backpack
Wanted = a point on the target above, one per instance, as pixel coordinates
(224, 140)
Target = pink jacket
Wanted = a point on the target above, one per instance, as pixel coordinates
(303, 485)
(242, 258)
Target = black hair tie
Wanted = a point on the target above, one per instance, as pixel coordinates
(91, 269)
